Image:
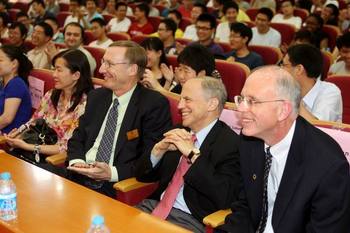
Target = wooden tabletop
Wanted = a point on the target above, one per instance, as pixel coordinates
(48, 203)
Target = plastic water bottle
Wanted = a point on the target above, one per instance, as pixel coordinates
(8, 197)
(98, 225)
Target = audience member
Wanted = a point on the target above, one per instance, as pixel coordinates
(91, 8)
(197, 168)
(217, 10)
(152, 10)
(15, 101)
(314, 24)
(111, 8)
(23, 18)
(239, 40)
(330, 14)
(122, 121)
(39, 10)
(17, 36)
(141, 25)
(41, 36)
(263, 34)
(295, 177)
(287, 15)
(98, 28)
(166, 33)
(62, 106)
(57, 35)
(4, 32)
(120, 23)
(342, 66)
(271, 4)
(186, 8)
(77, 14)
(52, 7)
(230, 11)
(173, 5)
(190, 31)
(155, 60)
(320, 100)
(177, 18)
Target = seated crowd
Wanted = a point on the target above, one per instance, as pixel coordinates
(280, 174)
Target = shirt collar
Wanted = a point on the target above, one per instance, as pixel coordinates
(310, 97)
(125, 98)
(202, 134)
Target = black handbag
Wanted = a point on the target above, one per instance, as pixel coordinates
(37, 134)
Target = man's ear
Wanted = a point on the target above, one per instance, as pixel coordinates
(285, 111)
(132, 69)
(213, 104)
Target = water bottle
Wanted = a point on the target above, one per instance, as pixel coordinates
(8, 197)
(98, 225)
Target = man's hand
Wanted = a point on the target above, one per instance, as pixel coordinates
(96, 170)
(181, 139)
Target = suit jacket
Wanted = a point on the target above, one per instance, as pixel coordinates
(146, 119)
(314, 193)
(211, 182)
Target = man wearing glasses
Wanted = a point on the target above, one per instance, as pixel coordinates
(295, 177)
(122, 120)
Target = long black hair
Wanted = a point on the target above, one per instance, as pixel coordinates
(155, 44)
(24, 64)
(75, 60)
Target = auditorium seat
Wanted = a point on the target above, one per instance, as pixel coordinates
(97, 53)
(139, 38)
(225, 46)
(61, 17)
(287, 31)
(184, 23)
(23, 6)
(183, 41)
(28, 44)
(88, 37)
(302, 13)
(327, 61)
(63, 6)
(40, 81)
(270, 55)
(333, 32)
(117, 36)
(107, 17)
(155, 21)
(252, 12)
(343, 82)
(12, 13)
(173, 102)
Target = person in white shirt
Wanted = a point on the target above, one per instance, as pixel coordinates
(191, 31)
(77, 14)
(98, 28)
(230, 11)
(42, 34)
(153, 12)
(320, 100)
(342, 66)
(263, 34)
(120, 23)
(287, 17)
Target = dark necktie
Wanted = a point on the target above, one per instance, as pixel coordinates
(262, 223)
(105, 148)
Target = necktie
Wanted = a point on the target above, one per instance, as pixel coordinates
(164, 206)
(105, 148)
(268, 161)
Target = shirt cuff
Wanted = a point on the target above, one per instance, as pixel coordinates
(155, 160)
(114, 174)
(73, 161)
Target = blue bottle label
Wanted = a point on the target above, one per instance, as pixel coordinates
(8, 205)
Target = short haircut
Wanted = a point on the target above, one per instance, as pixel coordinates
(334, 8)
(135, 54)
(214, 88)
(305, 35)
(91, 1)
(198, 58)
(39, 2)
(155, 44)
(205, 17)
(343, 41)
(266, 11)
(318, 19)
(144, 8)
(21, 28)
(308, 56)
(229, 5)
(243, 30)
(202, 6)
(75, 24)
(170, 25)
(176, 13)
(48, 31)
(120, 4)
(100, 21)
(52, 19)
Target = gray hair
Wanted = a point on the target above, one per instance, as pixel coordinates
(214, 88)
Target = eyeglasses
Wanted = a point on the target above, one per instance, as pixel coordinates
(110, 64)
(248, 102)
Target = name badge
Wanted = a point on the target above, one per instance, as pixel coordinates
(132, 134)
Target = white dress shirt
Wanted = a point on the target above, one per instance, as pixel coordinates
(119, 26)
(294, 20)
(103, 45)
(91, 154)
(324, 101)
(180, 201)
(279, 154)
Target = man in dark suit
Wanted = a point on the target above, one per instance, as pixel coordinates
(122, 120)
(296, 178)
(208, 154)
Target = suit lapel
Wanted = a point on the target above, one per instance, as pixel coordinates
(291, 175)
(101, 111)
(210, 138)
(129, 119)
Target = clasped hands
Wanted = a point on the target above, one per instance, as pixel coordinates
(95, 170)
(176, 139)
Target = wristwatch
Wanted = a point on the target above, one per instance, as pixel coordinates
(193, 155)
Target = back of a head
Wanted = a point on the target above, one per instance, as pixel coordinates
(309, 57)
(135, 54)
(198, 58)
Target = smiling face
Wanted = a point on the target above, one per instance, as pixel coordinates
(38, 36)
(204, 31)
(73, 37)
(63, 77)
(6, 65)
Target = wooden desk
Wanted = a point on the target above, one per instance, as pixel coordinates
(48, 203)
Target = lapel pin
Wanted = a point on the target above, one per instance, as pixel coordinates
(254, 177)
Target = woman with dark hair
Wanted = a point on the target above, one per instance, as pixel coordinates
(15, 102)
(156, 64)
(314, 24)
(62, 106)
(330, 14)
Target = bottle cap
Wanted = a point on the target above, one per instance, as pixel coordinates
(98, 220)
(5, 176)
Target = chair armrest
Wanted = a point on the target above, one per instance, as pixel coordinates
(129, 185)
(57, 159)
(217, 218)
